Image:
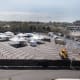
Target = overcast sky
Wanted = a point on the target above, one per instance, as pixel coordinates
(40, 10)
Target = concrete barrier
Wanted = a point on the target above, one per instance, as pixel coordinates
(33, 63)
(75, 64)
(37, 64)
(59, 63)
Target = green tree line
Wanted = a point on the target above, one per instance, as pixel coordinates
(32, 27)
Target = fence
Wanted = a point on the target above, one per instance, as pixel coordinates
(39, 63)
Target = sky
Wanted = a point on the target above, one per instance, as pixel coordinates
(40, 10)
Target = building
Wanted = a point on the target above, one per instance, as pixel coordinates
(74, 32)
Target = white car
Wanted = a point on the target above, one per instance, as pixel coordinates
(33, 43)
(9, 34)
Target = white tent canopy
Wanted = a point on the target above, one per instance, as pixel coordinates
(17, 39)
(3, 37)
(38, 37)
(9, 33)
(20, 35)
(29, 34)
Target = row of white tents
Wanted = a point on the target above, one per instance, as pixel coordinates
(21, 39)
(6, 36)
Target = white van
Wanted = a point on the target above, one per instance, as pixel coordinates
(59, 40)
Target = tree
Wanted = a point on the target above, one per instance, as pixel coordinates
(48, 28)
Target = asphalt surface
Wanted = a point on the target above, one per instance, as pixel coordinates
(49, 50)
(38, 74)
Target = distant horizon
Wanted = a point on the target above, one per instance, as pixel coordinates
(30, 17)
(37, 21)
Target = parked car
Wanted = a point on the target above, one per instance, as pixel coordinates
(59, 40)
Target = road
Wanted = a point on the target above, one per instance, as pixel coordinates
(37, 74)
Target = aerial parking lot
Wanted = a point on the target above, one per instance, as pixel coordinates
(42, 51)
(46, 50)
